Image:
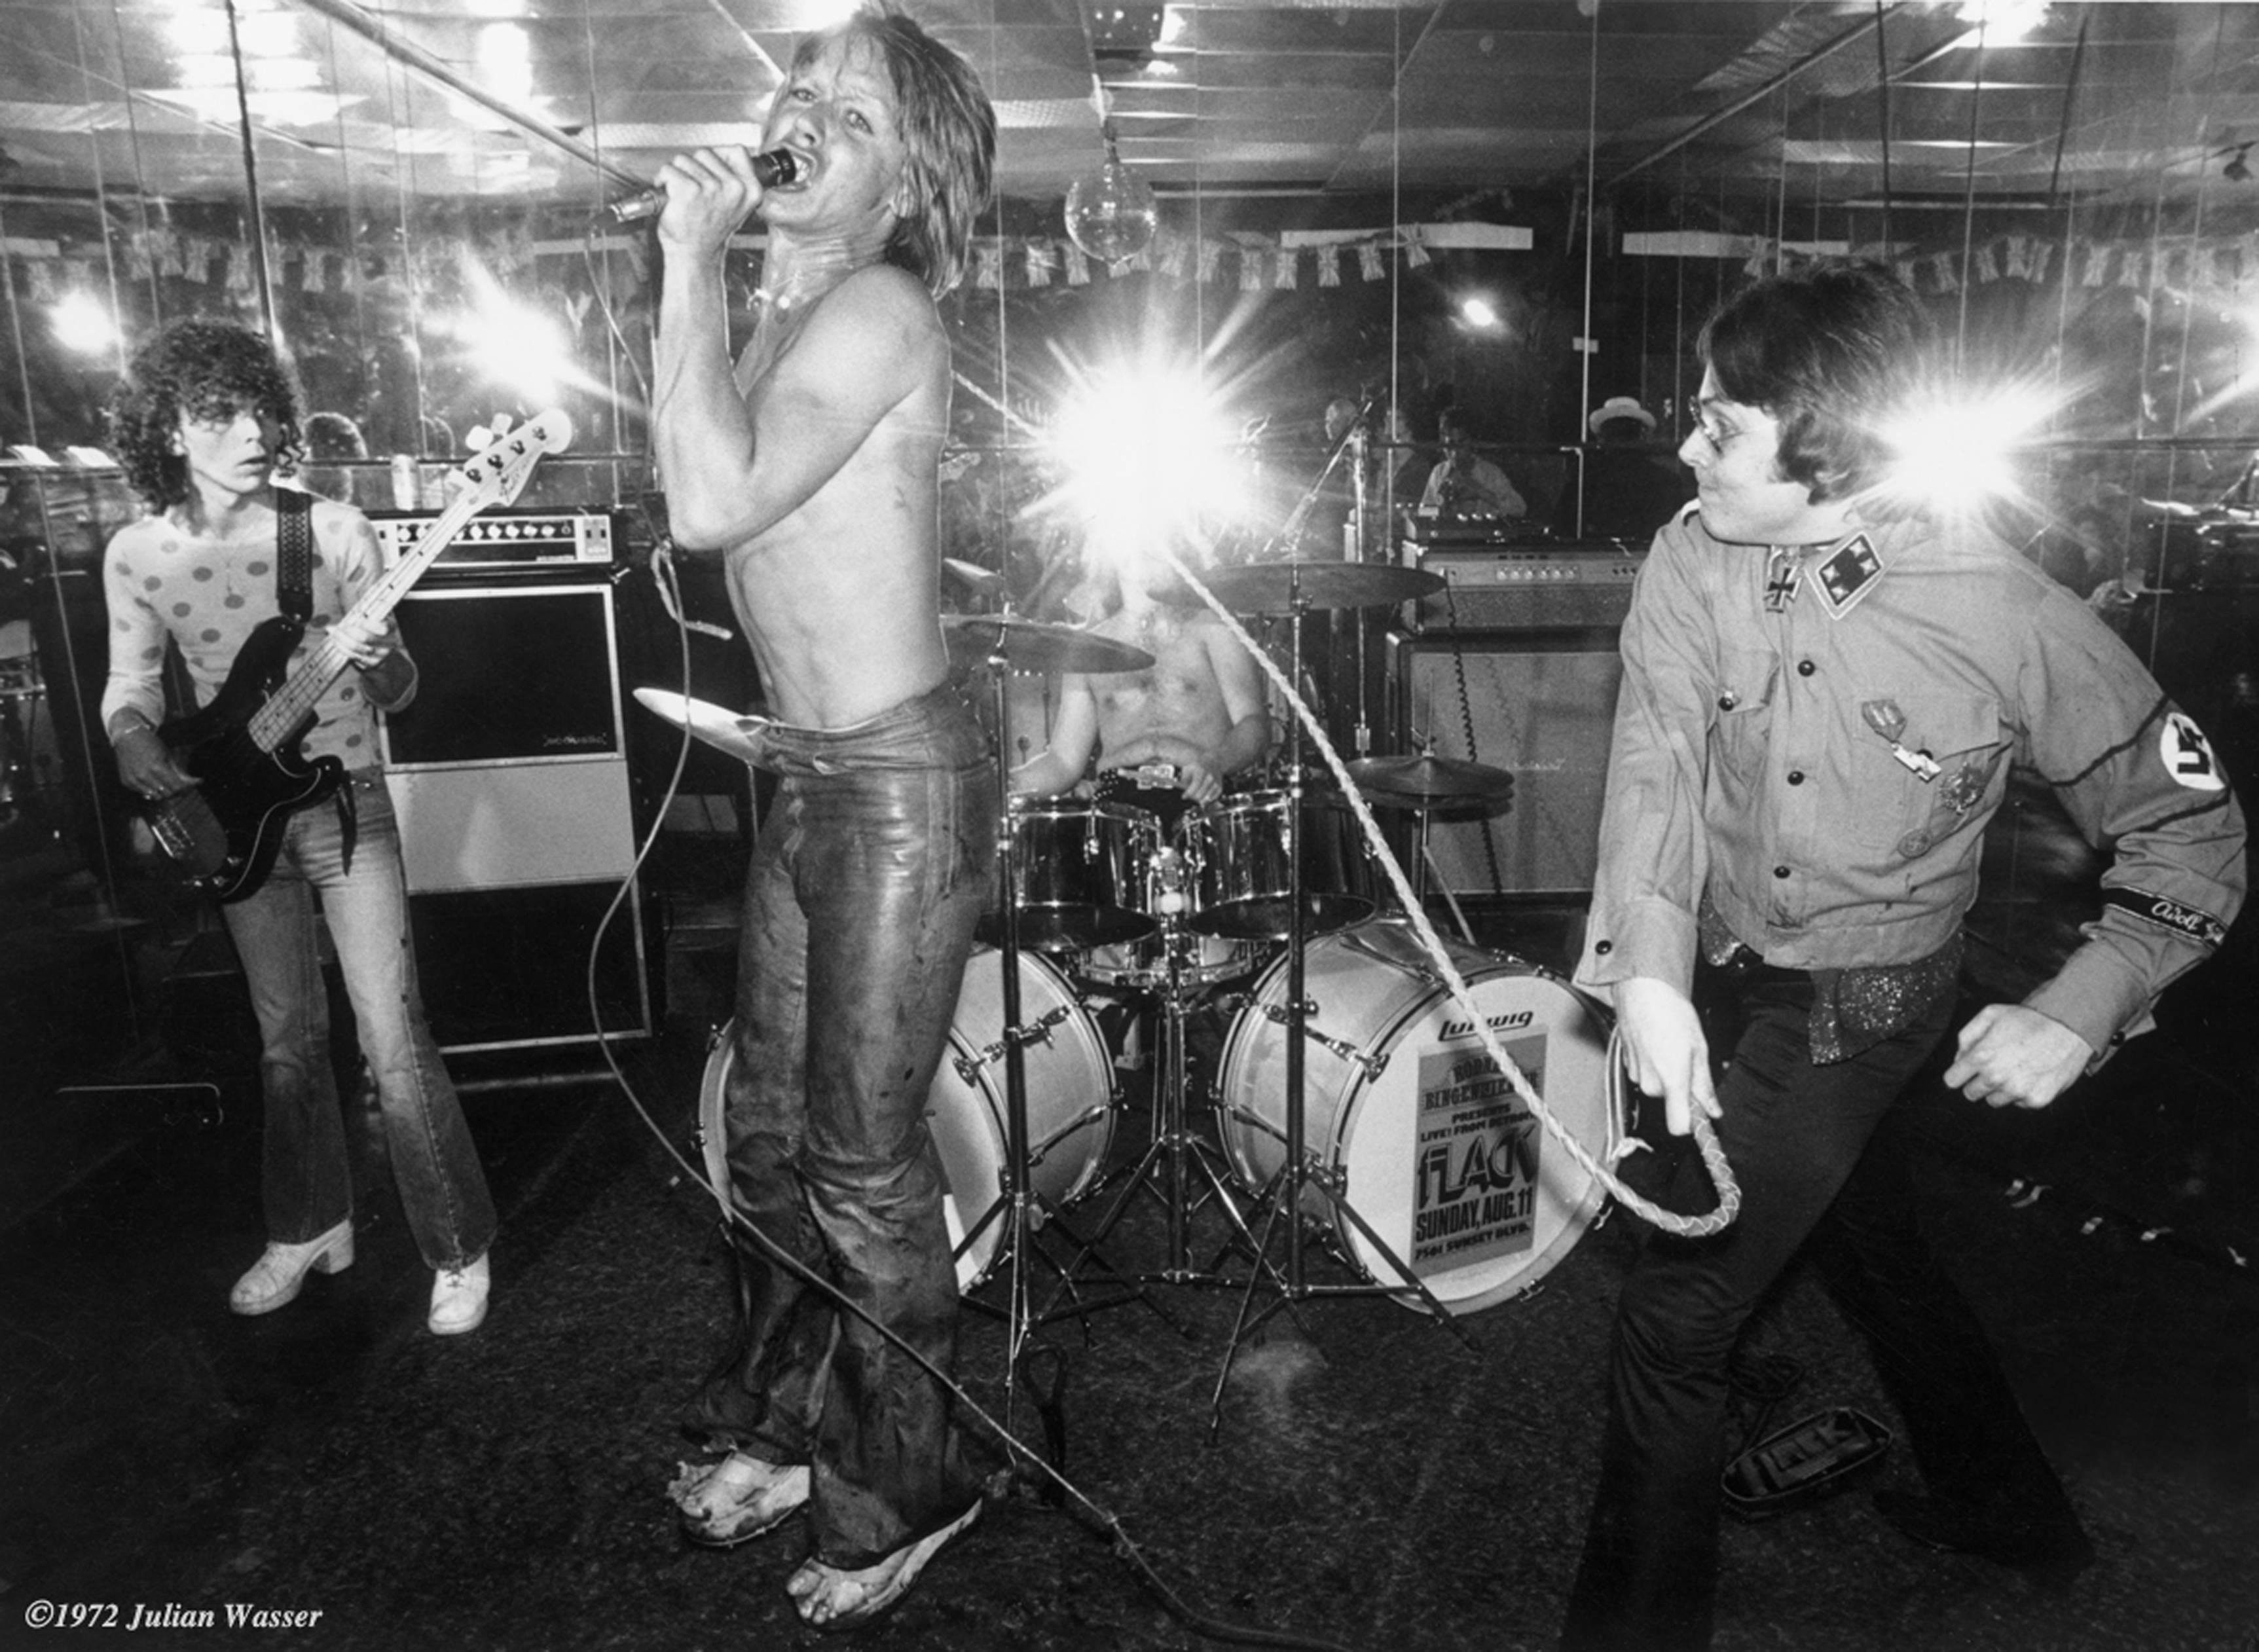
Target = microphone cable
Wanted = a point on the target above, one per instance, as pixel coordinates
(1018, 1454)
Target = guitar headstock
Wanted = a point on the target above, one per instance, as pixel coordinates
(497, 473)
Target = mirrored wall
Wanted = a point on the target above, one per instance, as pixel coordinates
(407, 197)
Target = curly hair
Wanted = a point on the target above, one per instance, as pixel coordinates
(1832, 351)
(199, 368)
(949, 127)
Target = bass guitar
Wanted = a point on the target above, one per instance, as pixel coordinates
(222, 834)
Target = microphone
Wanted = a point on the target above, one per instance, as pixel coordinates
(777, 168)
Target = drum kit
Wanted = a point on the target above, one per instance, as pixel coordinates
(1352, 1098)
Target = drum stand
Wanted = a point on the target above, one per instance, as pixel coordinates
(1281, 1197)
(1168, 1164)
(1016, 1203)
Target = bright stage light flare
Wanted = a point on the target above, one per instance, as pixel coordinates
(1955, 456)
(1148, 456)
(515, 345)
(83, 323)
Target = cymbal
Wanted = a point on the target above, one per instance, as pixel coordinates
(978, 581)
(1409, 782)
(1280, 588)
(723, 730)
(1035, 645)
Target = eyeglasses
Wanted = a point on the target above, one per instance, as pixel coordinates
(1714, 432)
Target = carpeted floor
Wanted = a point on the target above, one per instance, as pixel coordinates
(1375, 1479)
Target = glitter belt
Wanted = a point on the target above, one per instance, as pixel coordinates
(1852, 1009)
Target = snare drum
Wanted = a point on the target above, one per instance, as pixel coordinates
(1070, 1104)
(1244, 882)
(1081, 869)
(1405, 1111)
(1202, 960)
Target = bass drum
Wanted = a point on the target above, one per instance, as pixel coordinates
(1070, 1104)
(1405, 1111)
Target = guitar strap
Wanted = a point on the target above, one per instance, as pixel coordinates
(294, 595)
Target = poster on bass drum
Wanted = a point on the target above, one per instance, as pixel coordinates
(1480, 1148)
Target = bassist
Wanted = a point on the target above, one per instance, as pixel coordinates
(204, 420)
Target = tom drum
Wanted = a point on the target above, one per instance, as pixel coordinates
(1244, 880)
(1081, 869)
(1454, 1176)
(1070, 1104)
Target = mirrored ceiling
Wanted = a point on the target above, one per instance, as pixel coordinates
(1830, 103)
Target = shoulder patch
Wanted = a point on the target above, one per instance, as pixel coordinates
(2187, 754)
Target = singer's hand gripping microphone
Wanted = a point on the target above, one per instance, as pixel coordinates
(776, 169)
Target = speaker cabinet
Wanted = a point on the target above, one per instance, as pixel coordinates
(518, 819)
(1539, 705)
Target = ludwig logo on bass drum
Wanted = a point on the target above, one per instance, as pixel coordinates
(1496, 1023)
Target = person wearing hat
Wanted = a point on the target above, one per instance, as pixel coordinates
(1630, 489)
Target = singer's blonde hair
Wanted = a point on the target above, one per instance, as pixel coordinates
(949, 129)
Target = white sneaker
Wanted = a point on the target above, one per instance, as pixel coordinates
(459, 1299)
(274, 1280)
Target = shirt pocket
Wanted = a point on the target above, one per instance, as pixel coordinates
(1743, 713)
(1897, 811)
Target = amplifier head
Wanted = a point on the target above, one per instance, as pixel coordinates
(499, 541)
(1544, 587)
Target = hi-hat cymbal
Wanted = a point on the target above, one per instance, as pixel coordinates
(723, 730)
(1282, 587)
(1410, 782)
(974, 578)
(1035, 645)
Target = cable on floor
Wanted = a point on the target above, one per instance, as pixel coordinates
(1019, 1455)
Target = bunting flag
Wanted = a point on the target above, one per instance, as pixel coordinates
(989, 265)
(1252, 264)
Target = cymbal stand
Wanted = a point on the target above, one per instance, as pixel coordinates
(1015, 1199)
(1423, 864)
(1282, 1195)
(1360, 551)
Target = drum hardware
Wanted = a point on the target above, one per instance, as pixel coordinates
(1295, 589)
(1238, 851)
(1425, 784)
(1079, 867)
(1373, 1065)
(1005, 644)
(1413, 1127)
(1070, 1096)
(1176, 1155)
(1037, 1032)
(978, 582)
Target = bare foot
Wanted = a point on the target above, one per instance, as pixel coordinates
(737, 1499)
(830, 1599)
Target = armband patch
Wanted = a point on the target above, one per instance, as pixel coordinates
(2187, 755)
(2192, 921)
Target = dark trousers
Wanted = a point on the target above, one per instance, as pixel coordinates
(869, 873)
(1819, 1154)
